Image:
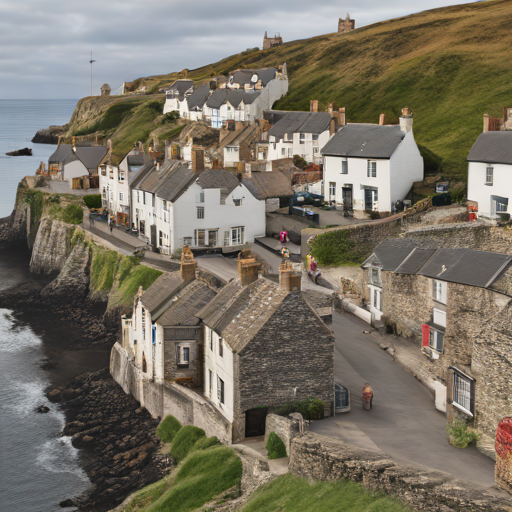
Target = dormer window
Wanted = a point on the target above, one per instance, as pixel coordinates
(375, 276)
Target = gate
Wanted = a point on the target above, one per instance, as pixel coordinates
(255, 422)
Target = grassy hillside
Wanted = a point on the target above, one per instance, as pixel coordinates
(449, 65)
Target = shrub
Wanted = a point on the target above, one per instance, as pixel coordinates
(337, 248)
(299, 162)
(184, 441)
(458, 194)
(171, 117)
(311, 408)
(203, 443)
(460, 434)
(93, 201)
(275, 447)
(73, 214)
(168, 429)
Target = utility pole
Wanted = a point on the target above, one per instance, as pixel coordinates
(91, 61)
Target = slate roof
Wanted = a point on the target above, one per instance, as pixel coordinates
(288, 124)
(135, 179)
(90, 156)
(233, 96)
(194, 297)
(492, 147)
(155, 178)
(463, 266)
(161, 291)
(238, 136)
(265, 185)
(198, 98)
(239, 312)
(364, 141)
(243, 76)
(181, 87)
(136, 159)
(176, 183)
(218, 178)
(60, 154)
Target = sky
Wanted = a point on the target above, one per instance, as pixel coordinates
(45, 46)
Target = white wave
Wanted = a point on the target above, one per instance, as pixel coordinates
(16, 337)
(59, 456)
(21, 398)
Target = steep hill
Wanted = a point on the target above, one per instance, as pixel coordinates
(449, 65)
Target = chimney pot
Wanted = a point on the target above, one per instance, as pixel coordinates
(290, 280)
(486, 122)
(406, 120)
(313, 105)
(248, 268)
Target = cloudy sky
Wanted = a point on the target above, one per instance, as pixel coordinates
(45, 45)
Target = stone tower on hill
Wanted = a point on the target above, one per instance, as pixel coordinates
(346, 25)
(270, 42)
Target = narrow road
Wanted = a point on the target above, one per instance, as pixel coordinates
(404, 421)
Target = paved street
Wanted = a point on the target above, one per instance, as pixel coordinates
(403, 422)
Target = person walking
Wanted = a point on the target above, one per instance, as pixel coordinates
(283, 236)
(367, 396)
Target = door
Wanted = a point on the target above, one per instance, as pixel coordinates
(347, 196)
(212, 238)
(255, 422)
(368, 199)
(153, 235)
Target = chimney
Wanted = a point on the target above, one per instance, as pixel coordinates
(247, 268)
(290, 280)
(406, 120)
(188, 264)
(313, 105)
(333, 126)
(341, 116)
(487, 119)
(382, 119)
(197, 161)
(109, 144)
(505, 114)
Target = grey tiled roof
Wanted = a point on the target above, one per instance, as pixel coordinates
(90, 156)
(414, 261)
(198, 98)
(135, 179)
(161, 291)
(265, 185)
(248, 133)
(218, 178)
(189, 301)
(288, 124)
(492, 147)
(136, 159)
(60, 154)
(364, 141)
(181, 87)
(243, 76)
(392, 252)
(176, 183)
(317, 122)
(233, 96)
(155, 178)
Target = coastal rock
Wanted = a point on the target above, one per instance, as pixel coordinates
(49, 135)
(42, 409)
(68, 503)
(20, 152)
(54, 396)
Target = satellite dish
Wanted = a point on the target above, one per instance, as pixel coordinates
(254, 78)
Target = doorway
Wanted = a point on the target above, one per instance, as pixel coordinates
(255, 422)
(370, 197)
(347, 196)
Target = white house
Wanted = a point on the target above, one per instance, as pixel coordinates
(176, 94)
(298, 133)
(371, 167)
(192, 106)
(114, 184)
(69, 161)
(490, 173)
(206, 209)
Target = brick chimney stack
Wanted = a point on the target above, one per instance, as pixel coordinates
(341, 116)
(313, 105)
(188, 264)
(247, 268)
(406, 120)
(197, 161)
(333, 126)
(486, 122)
(290, 280)
(382, 119)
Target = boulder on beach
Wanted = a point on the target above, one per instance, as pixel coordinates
(42, 409)
(20, 152)
(54, 395)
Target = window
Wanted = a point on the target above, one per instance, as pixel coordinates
(377, 299)
(120, 196)
(315, 136)
(199, 237)
(183, 356)
(200, 212)
(200, 197)
(439, 317)
(302, 137)
(332, 189)
(153, 200)
(210, 383)
(223, 195)
(111, 196)
(315, 150)
(439, 291)
(121, 176)
(221, 348)
(344, 166)
(209, 338)
(144, 197)
(138, 196)
(187, 240)
(375, 276)
(238, 235)
(283, 151)
(436, 340)
(489, 171)
(220, 390)
(372, 169)
(501, 207)
(238, 202)
(462, 392)
(143, 323)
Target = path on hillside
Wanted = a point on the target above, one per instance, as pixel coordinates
(404, 422)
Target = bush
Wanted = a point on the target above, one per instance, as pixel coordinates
(171, 117)
(168, 429)
(460, 434)
(311, 408)
(184, 441)
(337, 248)
(299, 162)
(458, 195)
(203, 443)
(93, 201)
(275, 447)
(73, 214)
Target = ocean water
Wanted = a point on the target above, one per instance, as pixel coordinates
(19, 122)
(38, 467)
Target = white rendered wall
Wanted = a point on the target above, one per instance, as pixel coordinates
(220, 367)
(75, 169)
(171, 104)
(230, 157)
(145, 211)
(481, 193)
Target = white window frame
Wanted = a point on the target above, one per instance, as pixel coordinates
(200, 212)
(237, 202)
(302, 138)
(439, 292)
(371, 171)
(210, 383)
(183, 348)
(489, 174)
(439, 317)
(200, 197)
(221, 348)
(121, 176)
(221, 390)
(196, 237)
(462, 393)
(332, 189)
(436, 338)
(344, 166)
(238, 235)
(121, 196)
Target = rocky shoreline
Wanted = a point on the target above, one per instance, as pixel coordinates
(119, 448)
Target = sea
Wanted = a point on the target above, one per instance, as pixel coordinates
(38, 467)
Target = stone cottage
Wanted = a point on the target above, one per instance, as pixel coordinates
(264, 345)
(456, 305)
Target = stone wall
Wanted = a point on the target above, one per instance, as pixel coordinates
(275, 222)
(162, 399)
(272, 204)
(327, 459)
(286, 428)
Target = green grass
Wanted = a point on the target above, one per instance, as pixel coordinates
(275, 447)
(73, 214)
(139, 275)
(168, 429)
(203, 443)
(184, 440)
(103, 269)
(337, 248)
(289, 493)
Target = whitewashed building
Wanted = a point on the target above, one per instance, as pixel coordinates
(192, 107)
(371, 167)
(177, 94)
(490, 172)
(69, 161)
